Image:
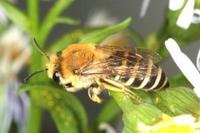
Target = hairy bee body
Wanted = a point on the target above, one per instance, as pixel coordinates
(106, 67)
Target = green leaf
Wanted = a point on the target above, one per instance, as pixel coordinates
(65, 40)
(51, 18)
(178, 100)
(179, 80)
(52, 97)
(67, 20)
(142, 113)
(108, 113)
(17, 16)
(133, 114)
(64, 119)
(100, 35)
(138, 40)
(2, 29)
(71, 37)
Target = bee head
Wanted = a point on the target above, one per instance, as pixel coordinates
(62, 65)
(54, 68)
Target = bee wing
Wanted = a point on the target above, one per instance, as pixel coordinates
(113, 64)
(137, 52)
(155, 57)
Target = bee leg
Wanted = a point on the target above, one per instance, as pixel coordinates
(132, 95)
(115, 86)
(93, 93)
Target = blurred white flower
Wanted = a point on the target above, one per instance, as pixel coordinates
(14, 109)
(107, 128)
(184, 64)
(192, 15)
(100, 18)
(14, 54)
(15, 51)
(3, 17)
(187, 12)
(196, 17)
(144, 7)
(179, 124)
(198, 60)
(175, 4)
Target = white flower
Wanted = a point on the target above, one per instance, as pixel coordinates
(100, 18)
(198, 60)
(184, 64)
(15, 51)
(188, 12)
(183, 124)
(144, 7)
(196, 17)
(175, 4)
(14, 108)
(107, 128)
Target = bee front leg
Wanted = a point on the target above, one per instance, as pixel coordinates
(93, 93)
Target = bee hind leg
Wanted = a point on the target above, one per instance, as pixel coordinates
(93, 93)
(132, 95)
(114, 86)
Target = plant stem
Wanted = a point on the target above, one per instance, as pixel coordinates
(34, 119)
(33, 10)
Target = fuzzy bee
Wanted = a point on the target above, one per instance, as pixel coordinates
(99, 68)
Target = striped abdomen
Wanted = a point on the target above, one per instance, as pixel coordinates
(146, 83)
(140, 71)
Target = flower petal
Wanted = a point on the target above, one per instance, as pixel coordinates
(198, 60)
(100, 18)
(144, 7)
(175, 4)
(187, 12)
(184, 119)
(196, 18)
(182, 124)
(184, 64)
(107, 128)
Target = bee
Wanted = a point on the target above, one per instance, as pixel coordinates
(99, 68)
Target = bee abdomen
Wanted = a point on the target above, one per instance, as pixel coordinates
(144, 74)
(153, 82)
(157, 82)
(146, 83)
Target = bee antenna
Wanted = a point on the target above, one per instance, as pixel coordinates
(34, 73)
(40, 49)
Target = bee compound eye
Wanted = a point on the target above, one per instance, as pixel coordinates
(56, 77)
